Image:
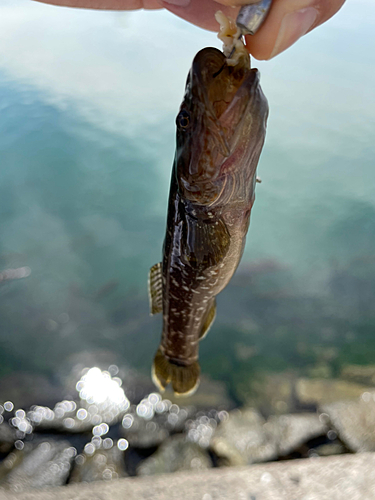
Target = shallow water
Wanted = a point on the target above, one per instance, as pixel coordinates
(87, 140)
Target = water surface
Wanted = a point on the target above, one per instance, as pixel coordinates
(88, 101)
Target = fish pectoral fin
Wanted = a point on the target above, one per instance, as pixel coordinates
(184, 378)
(205, 244)
(155, 289)
(209, 319)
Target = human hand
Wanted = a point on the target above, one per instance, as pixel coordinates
(286, 22)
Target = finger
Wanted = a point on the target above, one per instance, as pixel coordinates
(199, 12)
(287, 21)
(107, 4)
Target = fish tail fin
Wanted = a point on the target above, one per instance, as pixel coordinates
(184, 378)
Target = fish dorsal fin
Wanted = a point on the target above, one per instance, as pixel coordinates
(155, 289)
(204, 244)
(209, 319)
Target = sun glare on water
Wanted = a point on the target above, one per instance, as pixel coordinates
(99, 388)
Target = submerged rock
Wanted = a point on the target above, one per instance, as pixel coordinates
(176, 454)
(45, 465)
(273, 394)
(211, 394)
(103, 465)
(322, 391)
(361, 374)
(354, 421)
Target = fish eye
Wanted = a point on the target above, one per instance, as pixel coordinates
(183, 119)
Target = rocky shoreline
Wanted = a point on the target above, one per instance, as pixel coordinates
(103, 436)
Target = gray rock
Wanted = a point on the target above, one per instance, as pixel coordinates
(354, 422)
(176, 454)
(103, 465)
(142, 433)
(46, 419)
(291, 431)
(241, 439)
(12, 460)
(149, 425)
(201, 429)
(246, 438)
(330, 478)
(326, 450)
(48, 464)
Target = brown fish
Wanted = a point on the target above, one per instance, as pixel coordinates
(221, 129)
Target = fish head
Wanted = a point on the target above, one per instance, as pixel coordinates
(220, 125)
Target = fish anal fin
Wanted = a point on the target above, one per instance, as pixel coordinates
(183, 378)
(205, 244)
(209, 319)
(155, 289)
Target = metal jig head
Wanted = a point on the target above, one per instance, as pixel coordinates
(251, 17)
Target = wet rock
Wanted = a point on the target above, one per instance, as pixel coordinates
(45, 465)
(322, 391)
(143, 433)
(201, 429)
(354, 421)
(62, 418)
(245, 437)
(176, 454)
(360, 374)
(291, 431)
(241, 439)
(7, 437)
(103, 465)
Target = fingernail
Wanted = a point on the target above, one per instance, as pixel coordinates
(180, 3)
(293, 26)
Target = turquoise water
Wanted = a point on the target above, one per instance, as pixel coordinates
(88, 101)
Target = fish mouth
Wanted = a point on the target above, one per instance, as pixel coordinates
(215, 82)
